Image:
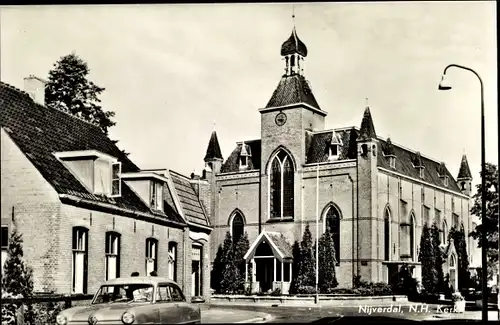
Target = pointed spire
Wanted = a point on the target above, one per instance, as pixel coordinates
(213, 149)
(367, 130)
(464, 172)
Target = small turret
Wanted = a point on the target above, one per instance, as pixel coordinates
(213, 158)
(464, 178)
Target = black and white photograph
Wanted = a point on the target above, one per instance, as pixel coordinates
(288, 162)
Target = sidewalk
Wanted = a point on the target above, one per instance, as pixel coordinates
(214, 314)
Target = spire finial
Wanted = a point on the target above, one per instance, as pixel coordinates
(293, 15)
(214, 125)
(366, 101)
(463, 151)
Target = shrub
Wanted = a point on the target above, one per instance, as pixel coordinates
(307, 290)
(46, 313)
(457, 296)
(276, 292)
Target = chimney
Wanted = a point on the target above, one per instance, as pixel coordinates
(35, 87)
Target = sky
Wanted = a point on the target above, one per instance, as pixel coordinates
(173, 73)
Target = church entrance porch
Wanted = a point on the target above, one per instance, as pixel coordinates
(269, 264)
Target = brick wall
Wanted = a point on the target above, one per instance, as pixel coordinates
(36, 209)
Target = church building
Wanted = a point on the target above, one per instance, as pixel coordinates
(374, 195)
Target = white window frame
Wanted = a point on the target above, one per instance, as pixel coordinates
(172, 261)
(79, 250)
(243, 165)
(112, 251)
(116, 180)
(413, 225)
(392, 161)
(421, 172)
(151, 254)
(156, 195)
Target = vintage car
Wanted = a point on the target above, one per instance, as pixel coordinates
(134, 300)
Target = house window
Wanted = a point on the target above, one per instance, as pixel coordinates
(392, 161)
(462, 185)
(156, 191)
(455, 220)
(196, 270)
(172, 261)
(80, 259)
(116, 184)
(112, 252)
(446, 181)
(387, 235)
(412, 237)
(151, 255)
(281, 186)
(421, 172)
(332, 224)
(5, 245)
(237, 227)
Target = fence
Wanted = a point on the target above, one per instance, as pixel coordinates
(45, 306)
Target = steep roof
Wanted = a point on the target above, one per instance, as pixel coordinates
(367, 130)
(213, 149)
(232, 163)
(40, 131)
(464, 172)
(189, 200)
(293, 89)
(293, 45)
(317, 144)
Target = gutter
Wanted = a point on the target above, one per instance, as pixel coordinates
(106, 207)
(195, 225)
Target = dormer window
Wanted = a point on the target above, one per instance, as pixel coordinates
(156, 195)
(334, 147)
(243, 162)
(392, 161)
(98, 172)
(421, 172)
(445, 181)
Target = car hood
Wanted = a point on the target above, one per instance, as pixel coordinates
(111, 311)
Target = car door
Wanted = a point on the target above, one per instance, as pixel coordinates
(190, 312)
(169, 310)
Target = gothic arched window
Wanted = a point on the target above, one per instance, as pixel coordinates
(387, 235)
(281, 186)
(445, 232)
(332, 224)
(412, 237)
(237, 227)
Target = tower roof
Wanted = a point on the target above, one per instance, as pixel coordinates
(464, 171)
(293, 45)
(292, 89)
(213, 149)
(367, 130)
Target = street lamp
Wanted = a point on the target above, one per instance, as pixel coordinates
(445, 85)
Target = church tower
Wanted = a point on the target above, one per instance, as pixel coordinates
(464, 178)
(368, 223)
(213, 164)
(291, 111)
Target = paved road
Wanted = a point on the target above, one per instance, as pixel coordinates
(329, 314)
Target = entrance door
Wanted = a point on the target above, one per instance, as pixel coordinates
(265, 274)
(393, 272)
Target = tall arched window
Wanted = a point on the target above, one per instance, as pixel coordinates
(445, 232)
(151, 255)
(237, 227)
(172, 261)
(281, 186)
(387, 235)
(112, 255)
(332, 224)
(412, 237)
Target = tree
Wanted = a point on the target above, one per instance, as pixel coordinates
(490, 223)
(296, 266)
(218, 267)
(307, 273)
(240, 249)
(438, 258)
(428, 259)
(69, 90)
(17, 280)
(229, 280)
(326, 255)
(460, 243)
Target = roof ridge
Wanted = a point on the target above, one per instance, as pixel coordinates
(179, 174)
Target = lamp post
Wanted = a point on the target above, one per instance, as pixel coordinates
(444, 85)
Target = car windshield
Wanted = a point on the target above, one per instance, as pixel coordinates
(124, 293)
